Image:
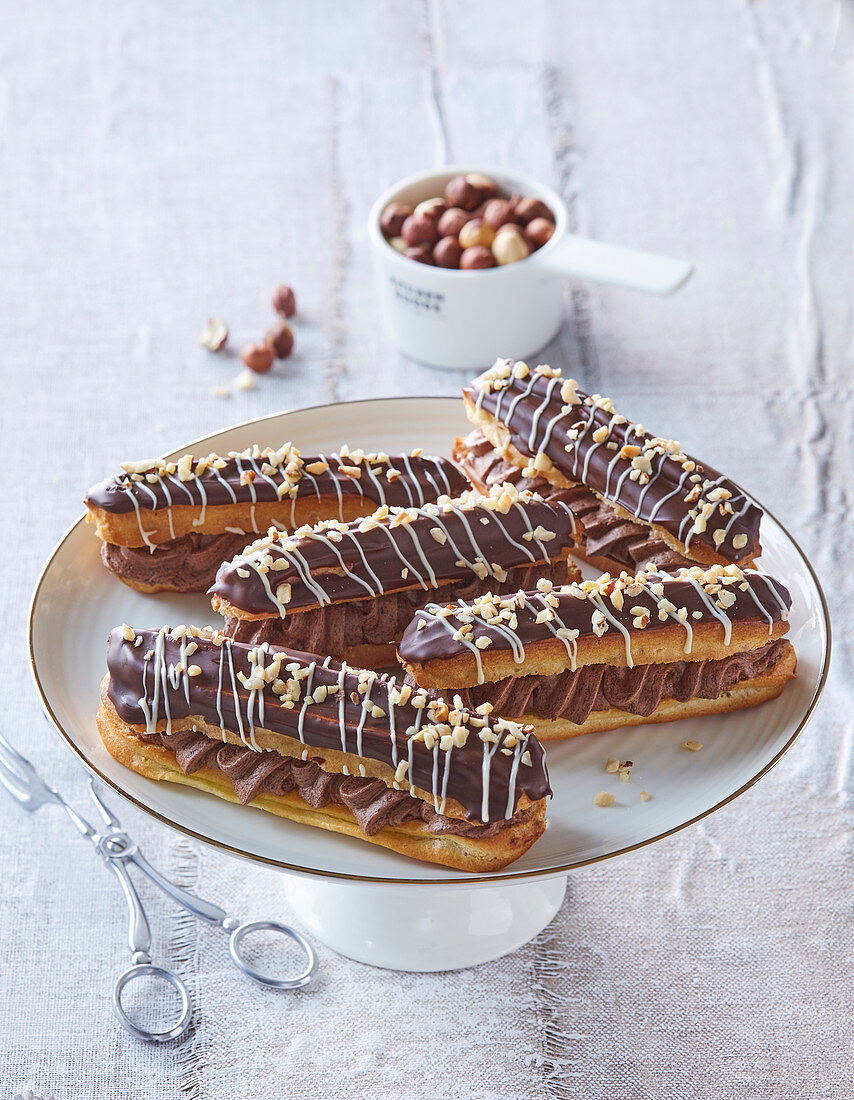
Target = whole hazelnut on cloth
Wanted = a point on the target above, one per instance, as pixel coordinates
(476, 232)
(280, 339)
(459, 192)
(419, 229)
(447, 252)
(539, 231)
(423, 253)
(284, 302)
(393, 217)
(487, 187)
(528, 209)
(509, 245)
(257, 357)
(432, 208)
(475, 258)
(452, 221)
(498, 212)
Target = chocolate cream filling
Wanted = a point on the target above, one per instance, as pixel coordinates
(379, 620)
(187, 564)
(639, 690)
(373, 805)
(604, 534)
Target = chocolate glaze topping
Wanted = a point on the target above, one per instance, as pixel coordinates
(591, 444)
(187, 564)
(634, 606)
(604, 534)
(254, 476)
(395, 549)
(374, 805)
(175, 676)
(575, 695)
(338, 627)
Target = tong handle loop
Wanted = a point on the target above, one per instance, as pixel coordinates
(159, 973)
(235, 947)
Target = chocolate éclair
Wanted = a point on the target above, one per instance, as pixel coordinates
(323, 744)
(607, 541)
(542, 423)
(349, 590)
(621, 651)
(168, 525)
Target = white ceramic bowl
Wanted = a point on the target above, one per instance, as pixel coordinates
(457, 319)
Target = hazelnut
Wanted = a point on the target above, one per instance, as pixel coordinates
(393, 217)
(432, 208)
(476, 232)
(447, 252)
(538, 231)
(477, 257)
(459, 192)
(214, 335)
(528, 209)
(398, 244)
(280, 339)
(423, 253)
(419, 229)
(284, 302)
(452, 221)
(487, 187)
(498, 212)
(257, 357)
(509, 245)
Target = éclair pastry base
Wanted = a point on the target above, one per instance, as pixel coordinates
(749, 693)
(122, 528)
(500, 438)
(410, 839)
(549, 657)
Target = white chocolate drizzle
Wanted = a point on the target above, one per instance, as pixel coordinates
(284, 470)
(438, 726)
(422, 525)
(476, 624)
(711, 506)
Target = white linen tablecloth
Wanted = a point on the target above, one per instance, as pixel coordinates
(161, 163)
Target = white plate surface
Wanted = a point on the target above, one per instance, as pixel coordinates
(76, 604)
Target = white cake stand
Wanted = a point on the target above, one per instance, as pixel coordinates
(360, 900)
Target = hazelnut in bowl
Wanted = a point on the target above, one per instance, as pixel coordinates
(470, 262)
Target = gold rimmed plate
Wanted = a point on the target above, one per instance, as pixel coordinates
(76, 603)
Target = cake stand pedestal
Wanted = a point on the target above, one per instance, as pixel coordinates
(424, 928)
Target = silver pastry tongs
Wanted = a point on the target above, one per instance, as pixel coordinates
(117, 850)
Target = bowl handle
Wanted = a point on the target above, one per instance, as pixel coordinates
(611, 263)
